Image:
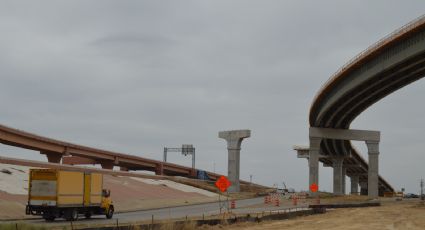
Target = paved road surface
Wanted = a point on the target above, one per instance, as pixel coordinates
(243, 206)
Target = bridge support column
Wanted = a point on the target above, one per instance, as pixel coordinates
(373, 179)
(53, 157)
(338, 175)
(234, 139)
(313, 161)
(107, 165)
(159, 170)
(371, 138)
(354, 185)
(344, 173)
(363, 188)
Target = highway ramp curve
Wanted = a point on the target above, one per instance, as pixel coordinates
(68, 153)
(388, 65)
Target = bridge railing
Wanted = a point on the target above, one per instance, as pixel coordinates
(372, 48)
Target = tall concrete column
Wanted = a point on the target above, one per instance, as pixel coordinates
(338, 175)
(363, 188)
(234, 140)
(344, 173)
(373, 152)
(354, 185)
(313, 161)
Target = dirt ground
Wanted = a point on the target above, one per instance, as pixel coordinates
(391, 215)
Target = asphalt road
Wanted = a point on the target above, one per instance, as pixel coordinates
(207, 209)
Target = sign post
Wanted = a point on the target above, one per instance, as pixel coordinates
(222, 184)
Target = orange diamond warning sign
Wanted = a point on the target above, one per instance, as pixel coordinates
(314, 187)
(222, 183)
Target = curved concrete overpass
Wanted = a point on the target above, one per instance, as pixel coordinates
(393, 62)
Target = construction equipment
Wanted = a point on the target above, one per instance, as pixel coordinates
(54, 193)
(284, 189)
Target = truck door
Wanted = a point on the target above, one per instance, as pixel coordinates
(87, 188)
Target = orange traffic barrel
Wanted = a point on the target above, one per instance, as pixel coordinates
(233, 204)
(277, 202)
(294, 200)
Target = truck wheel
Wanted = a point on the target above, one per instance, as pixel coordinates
(71, 214)
(110, 212)
(74, 213)
(49, 218)
(88, 214)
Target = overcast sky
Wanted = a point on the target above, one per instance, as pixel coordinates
(138, 76)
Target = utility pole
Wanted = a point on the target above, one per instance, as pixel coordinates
(422, 190)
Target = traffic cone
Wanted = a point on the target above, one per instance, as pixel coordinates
(233, 204)
(267, 199)
(294, 200)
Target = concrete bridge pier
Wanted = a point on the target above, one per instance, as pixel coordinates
(107, 164)
(159, 169)
(373, 179)
(234, 140)
(371, 138)
(354, 185)
(344, 173)
(363, 188)
(53, 157)
(338, 176)
(313, 160)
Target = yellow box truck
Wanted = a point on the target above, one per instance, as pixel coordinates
(54, 193)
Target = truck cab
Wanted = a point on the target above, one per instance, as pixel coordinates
(107, 203)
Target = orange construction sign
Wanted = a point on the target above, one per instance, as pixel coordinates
(222, 183)
(314, 187)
